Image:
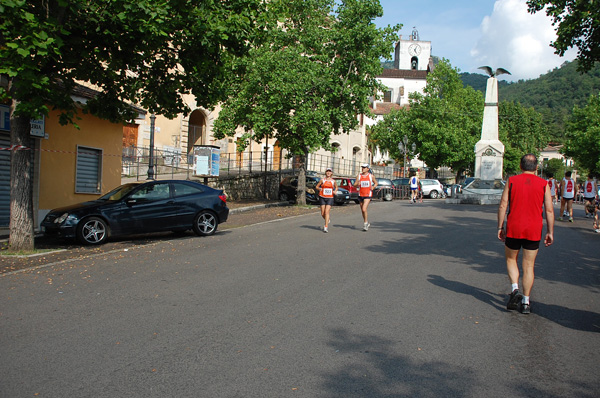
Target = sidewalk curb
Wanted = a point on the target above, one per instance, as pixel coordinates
(255, 207)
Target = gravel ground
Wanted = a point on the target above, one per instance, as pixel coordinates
(242, 214)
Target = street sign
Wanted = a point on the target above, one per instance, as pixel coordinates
(37, 127)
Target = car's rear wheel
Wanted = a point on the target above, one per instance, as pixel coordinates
(92, 231)
(434, 194)
(205, 223)
(387, 196)
(284, 196)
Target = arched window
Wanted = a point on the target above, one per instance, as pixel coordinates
(414, 63)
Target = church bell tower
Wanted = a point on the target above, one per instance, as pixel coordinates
(412, 54)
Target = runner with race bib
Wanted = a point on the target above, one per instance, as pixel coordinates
(327, 189)
(365, 182)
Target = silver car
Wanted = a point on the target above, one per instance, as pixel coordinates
(432, 188)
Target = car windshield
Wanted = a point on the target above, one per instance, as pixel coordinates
(384, 181)
(119, 192)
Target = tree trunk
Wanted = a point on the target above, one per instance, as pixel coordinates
(301, 195)
(21, 184)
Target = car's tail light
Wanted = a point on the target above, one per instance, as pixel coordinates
(223, 197)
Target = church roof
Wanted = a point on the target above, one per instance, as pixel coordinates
(405, 74)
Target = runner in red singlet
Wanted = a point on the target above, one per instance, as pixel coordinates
(365, 182)
(528, 197)
(327, 189)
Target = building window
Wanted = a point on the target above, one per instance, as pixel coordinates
(88, 176)
(387, 96)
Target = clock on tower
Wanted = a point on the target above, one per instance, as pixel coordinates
(414, 49)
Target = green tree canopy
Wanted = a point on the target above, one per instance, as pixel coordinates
(312, 77)
(522, 131)
(578, 26)
(444, 122)
(146, 52)
(583, 136)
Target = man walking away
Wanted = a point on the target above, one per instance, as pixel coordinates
(567, 195)
(589, 193)
(552, 183)
(414, 188)
(526, 197)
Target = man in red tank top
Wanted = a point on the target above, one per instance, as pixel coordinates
(526, 197)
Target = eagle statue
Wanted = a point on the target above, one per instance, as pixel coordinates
(499, 71)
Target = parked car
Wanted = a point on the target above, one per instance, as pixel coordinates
(401, 182)
(386, 190)
(432, 188)
(348, 184)
(288, 189)
(141, 207)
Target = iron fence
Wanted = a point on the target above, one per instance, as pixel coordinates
(169, 162)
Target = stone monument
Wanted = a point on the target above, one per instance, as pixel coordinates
(489, 152)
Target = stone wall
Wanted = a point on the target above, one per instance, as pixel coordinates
(250, 186)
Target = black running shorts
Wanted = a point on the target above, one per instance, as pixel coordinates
(517, 244)
(325, 201)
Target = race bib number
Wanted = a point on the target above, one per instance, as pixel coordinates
(365, 184)
(327, 191)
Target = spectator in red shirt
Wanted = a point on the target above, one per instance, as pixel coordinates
(526, 197)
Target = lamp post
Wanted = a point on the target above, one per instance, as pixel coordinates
(403, 147)
(151, 158)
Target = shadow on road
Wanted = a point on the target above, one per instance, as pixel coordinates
(378, 372)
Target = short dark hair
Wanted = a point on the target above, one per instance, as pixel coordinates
(568, 174)
(529, 162)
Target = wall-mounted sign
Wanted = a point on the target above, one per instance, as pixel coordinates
(37, 127)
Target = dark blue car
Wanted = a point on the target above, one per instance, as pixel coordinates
(141, 207)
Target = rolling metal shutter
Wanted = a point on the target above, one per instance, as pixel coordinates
(89, 166)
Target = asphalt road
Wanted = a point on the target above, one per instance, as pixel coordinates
(415, 307)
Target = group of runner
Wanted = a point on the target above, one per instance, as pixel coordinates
(365, 182)
(566, 190)
(327, 188)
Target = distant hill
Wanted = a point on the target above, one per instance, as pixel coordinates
(553, 95)
(479, 81)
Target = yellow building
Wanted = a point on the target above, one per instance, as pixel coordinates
(69, 165)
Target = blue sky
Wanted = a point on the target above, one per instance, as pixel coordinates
(473, 33)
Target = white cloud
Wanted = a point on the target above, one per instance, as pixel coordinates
(513, 39)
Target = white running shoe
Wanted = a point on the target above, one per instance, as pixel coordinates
(366, 226)
(325, 229)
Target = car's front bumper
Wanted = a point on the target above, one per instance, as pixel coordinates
(62, 231)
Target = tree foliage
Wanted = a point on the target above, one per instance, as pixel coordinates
(444, 122)
(146, 52)
(522, 131)
(311, 77)
(583, 136)
(578, 25)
